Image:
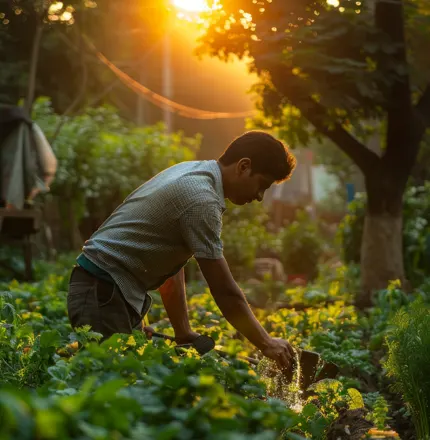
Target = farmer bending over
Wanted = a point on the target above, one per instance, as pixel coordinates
(148, 239)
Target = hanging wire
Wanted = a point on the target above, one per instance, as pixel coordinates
(162, 101)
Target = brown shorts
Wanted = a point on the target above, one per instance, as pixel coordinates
(100, 304)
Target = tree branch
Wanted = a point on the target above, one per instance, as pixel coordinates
(33, 66)
(316, 114)
(364, 158)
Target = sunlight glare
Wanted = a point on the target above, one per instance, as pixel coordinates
(192, 5)
(55, 7)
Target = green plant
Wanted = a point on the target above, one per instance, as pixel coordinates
(379, 409)
(408, 362)
(244, 234)
(59, 383)
(350, 230)
(301, 247)
(102, 158)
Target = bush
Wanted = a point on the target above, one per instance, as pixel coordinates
(102, 158)
(301, 247)
(245, 234)
(351, 230)
(416, 232)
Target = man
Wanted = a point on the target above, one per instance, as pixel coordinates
(148, 239)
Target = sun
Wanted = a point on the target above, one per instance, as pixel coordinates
(192, 5)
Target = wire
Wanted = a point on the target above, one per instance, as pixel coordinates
(162, 101)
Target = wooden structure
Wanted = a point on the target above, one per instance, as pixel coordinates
(26, 164)
(16, 228)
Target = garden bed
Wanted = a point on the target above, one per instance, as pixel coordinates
(129, 387)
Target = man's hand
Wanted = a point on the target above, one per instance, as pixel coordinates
(232, 303)
(280, 351)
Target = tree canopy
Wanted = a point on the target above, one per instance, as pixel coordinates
(334, 64)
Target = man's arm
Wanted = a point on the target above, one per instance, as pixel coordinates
(232, 303)
(201, 226)
(174, 300)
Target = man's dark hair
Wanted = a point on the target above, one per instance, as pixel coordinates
(268, 155)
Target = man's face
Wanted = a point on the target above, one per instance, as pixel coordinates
(249, 187)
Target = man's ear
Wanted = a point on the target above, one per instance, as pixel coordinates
(244, 166)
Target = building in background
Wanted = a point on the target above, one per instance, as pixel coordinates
(311, 188)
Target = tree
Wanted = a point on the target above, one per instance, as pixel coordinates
(21, 33)
(335, 64)
(45, 55)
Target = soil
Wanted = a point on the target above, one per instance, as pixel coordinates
(350, 425)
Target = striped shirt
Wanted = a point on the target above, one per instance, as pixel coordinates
(149, 237)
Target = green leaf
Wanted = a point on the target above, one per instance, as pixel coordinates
(108, 390)
(50, 338)
(318, 427)
(94, 432)
(309, 410)
(294, 436)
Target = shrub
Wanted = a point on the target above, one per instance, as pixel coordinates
(245, 234)
(102, 158)
(351, 230)
(409, 362)
(301, 247)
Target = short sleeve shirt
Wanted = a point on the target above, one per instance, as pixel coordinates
(169, 219)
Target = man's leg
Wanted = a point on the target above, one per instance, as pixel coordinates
(100, 304)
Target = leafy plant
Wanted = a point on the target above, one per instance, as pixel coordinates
(350, 230)
(245, 234)
(301, 247)
(102, 158)
(409, 362)
(59, 383)
(379, 409)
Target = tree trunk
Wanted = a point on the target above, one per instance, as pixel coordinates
(33, 66)
(382, 241)
(381, 255)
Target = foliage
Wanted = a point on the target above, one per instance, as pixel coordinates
(351, 228)
(327, 69)
(18, 22)
(380, 409)
(245, 234)
(420, 173)
(387, 302)
(162, 395)
(312, 45)
(301, 247)
(68, 71)
(416, 232)
(56, 383)
(408, 362)
(102, 158)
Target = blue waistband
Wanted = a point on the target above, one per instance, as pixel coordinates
(93, 269)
